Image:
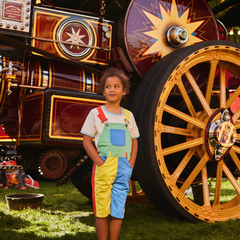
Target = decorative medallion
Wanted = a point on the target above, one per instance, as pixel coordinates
(74, 36)
(157, 31)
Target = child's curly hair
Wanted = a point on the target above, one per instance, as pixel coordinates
(111, 72)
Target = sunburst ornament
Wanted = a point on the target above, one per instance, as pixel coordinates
(75, 38)
(172, 20)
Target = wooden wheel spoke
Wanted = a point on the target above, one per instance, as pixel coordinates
(218, 183)
(234, 156)
(198, 92)
(233, 97)
(182, 165)
(205, 187)
(211, 78)
(222, 88)
(186, 99)
(133, 187)
(176, 130)
(237, 124)
(184, 116)
(236, 115)
(238, 137)
(194, 173)
(231, 178)
(235, 148)
(183, 146)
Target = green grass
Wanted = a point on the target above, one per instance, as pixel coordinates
(66, 215)
(227, 191)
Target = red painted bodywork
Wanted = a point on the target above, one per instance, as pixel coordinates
(136, 25)
(56, 25)
(52, 75)
(55, 95)
(66, 117)
(56, 116)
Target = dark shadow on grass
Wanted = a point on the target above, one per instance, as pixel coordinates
(148, 212)
(7, 221)
(9, 225)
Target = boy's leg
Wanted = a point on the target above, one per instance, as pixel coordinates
(114, 228)
(101, 228)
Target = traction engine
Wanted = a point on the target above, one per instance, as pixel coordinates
(184, 94)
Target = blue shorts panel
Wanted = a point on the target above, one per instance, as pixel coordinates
(120, 188)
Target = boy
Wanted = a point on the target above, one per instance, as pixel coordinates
(115, 133)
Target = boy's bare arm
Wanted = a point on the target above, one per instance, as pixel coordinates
(91, 150)
(134, 152)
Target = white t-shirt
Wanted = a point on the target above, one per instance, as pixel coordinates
(93, 126)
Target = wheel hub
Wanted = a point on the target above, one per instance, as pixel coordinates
(177, 36)
(221, 135)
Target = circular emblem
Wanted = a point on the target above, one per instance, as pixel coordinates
(226, 134)
(75, 36)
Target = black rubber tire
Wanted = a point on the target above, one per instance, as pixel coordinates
(81, 179)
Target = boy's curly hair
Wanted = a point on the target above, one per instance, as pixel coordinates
(111, 72)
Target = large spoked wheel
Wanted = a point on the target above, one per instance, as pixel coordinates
(190, 133)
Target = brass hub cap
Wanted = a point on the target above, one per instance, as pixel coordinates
(221, 134)
(177, 36)
(225, 134)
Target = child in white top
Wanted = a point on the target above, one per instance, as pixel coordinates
(115, 133)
